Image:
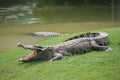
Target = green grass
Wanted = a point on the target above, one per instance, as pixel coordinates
(94, 65)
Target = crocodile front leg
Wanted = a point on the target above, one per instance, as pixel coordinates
(57, 56)
(64, 53)
(95, 46)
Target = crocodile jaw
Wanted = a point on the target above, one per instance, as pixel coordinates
(28, 57)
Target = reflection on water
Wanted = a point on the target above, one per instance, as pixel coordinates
(18, 14)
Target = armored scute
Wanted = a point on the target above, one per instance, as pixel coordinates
(76, 45)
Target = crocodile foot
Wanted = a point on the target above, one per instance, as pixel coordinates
(109, 49)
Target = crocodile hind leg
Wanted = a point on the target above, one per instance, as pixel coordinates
(95, 46)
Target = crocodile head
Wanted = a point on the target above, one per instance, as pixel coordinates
(45, 53)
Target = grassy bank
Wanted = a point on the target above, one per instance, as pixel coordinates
(91, 66)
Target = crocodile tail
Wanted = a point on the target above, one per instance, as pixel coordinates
(84, 35)
(100, 37)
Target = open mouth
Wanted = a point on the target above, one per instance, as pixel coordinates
(26, 58)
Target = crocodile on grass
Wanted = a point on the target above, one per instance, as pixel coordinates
(76, 45)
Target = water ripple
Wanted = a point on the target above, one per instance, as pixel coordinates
(18, 14)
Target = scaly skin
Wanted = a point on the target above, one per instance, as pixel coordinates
(75, 45)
